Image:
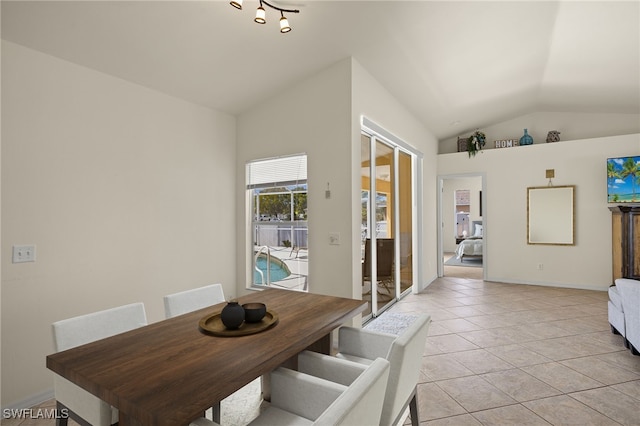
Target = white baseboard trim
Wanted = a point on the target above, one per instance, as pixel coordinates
(31, 401)
(423, 286)
(547, 284)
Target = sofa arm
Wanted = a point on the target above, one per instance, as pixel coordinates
(630, 294)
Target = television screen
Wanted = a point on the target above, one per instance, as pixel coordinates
(623, 179)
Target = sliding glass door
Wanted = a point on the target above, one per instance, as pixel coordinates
(387, 196)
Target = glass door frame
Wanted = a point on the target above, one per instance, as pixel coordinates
(397, 147)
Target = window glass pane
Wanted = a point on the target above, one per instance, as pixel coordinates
(279, 248)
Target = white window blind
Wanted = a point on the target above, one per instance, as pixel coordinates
(281, 171)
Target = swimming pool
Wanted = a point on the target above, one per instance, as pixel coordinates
(278, 269)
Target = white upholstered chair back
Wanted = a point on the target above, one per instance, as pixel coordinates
(405, 357)
(77, 331)
(303, 398)
(83, 329)
(191, 300)
(359, 404)
(404, 353)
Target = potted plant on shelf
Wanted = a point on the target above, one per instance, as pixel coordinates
(476, 142)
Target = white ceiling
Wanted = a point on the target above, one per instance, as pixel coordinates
(455, 65)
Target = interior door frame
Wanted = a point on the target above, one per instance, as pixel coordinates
(485, 233)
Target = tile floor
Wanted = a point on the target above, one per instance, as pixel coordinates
(505, 354)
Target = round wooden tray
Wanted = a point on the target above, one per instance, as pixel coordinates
(212, 324)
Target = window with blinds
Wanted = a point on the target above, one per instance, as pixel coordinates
(278, 188)
(275, 172)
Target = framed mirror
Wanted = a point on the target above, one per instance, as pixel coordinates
(551, 215)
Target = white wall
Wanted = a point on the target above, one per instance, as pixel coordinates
(322, 117)
(312, 116)
(373, 101)
(573, 126)
(509, 171)
(127, 194)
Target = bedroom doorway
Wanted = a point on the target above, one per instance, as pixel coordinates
(462, 234)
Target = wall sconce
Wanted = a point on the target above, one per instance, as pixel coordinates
(550, 174)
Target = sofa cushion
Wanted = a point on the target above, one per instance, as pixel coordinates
(614, 297)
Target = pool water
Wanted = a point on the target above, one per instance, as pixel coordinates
(279, 271)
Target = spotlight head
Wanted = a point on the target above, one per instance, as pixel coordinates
(261, 15)
(284, 25)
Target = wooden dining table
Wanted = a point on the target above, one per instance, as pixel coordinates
(170, 372)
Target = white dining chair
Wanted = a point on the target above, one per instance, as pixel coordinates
(308, 399)
(404, 353)
(192, 300)
(82, 406)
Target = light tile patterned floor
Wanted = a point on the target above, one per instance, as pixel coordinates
(506, 354)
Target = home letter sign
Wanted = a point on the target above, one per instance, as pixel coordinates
(506, 143)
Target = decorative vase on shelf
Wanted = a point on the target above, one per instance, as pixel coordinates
(232, 315)
(526, 139)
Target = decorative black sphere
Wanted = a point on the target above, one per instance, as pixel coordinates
(232, 315)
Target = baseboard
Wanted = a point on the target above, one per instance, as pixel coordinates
(422, 287)
(31, 401)
(547, 284)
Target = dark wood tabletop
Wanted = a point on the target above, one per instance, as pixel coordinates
(170, 372)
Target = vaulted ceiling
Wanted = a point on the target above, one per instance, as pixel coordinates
(456, 65)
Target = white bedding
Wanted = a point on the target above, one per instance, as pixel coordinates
(469, 247)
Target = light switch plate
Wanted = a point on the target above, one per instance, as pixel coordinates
(25, 253)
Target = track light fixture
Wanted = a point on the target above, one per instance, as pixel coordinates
(261, 15)
(284, 24)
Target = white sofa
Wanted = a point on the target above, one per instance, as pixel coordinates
(616, 313)
(629, 291)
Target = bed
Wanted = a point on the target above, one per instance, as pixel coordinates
(471, 247)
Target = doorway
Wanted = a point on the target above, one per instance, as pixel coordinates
(462, 235)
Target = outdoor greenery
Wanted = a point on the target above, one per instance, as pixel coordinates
(275, 203)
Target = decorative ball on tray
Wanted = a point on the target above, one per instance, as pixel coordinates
(232, 315)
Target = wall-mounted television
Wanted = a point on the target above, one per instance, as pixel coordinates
(623, 179)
